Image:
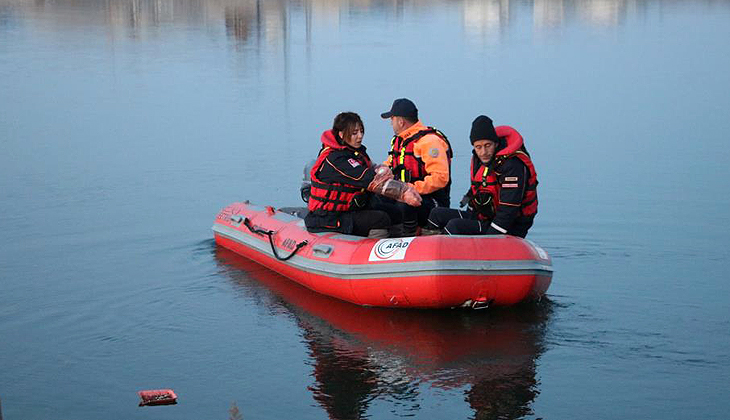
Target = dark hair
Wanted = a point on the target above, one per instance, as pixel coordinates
(411, 120)
(347, 122)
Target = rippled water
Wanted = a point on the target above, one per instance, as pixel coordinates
(125, 125)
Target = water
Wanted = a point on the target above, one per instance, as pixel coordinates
(125, 125)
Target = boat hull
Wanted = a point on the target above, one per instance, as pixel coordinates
(423, 272)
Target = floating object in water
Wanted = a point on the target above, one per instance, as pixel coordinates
(157, 397)
(438, 271)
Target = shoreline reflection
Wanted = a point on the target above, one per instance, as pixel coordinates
(271, 21)
(361, 354)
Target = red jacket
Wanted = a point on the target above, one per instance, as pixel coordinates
(353, 174)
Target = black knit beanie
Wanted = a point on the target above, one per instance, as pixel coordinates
(482, 129)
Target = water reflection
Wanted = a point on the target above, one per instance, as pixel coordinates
(360, 354)
(485, 18)
(257, 22)
(269, 21)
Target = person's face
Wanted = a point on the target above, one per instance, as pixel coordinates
(397, 124)
(485, 150)
(354, 140)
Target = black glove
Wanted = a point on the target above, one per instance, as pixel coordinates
(465, 200)
(305, 191)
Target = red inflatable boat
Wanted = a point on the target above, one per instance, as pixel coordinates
(438, 271)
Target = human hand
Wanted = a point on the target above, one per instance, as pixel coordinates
(382, 175)
(396, 190)
(465, 200)
(383, 171)
(411, 197)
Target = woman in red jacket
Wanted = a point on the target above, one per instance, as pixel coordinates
(342, 180)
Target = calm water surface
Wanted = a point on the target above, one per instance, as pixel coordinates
(125, 125)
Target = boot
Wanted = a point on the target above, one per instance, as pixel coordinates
(429, 232)
(410, 228)
(396, 231)
(378, 233)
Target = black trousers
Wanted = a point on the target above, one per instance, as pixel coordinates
(358, 222)
(456, 222)
(403, 212)
(364, 220)
(395, 214)
(461, 222)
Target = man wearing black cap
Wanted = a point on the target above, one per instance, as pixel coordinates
(502, 198)
(421, 156)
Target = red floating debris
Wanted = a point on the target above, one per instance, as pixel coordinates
(157, 397)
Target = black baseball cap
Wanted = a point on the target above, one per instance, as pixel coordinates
(402, 108)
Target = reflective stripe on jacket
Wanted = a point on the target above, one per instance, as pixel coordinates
(422, 156)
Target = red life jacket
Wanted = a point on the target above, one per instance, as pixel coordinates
(405, 165)
(484, 189)
(335, 196)
(485, 184)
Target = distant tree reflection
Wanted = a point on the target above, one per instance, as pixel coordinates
(271, 20)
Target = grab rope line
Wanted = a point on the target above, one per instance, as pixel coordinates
(270, 234)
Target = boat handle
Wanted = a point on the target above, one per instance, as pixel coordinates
(324, 250)
(270, 234)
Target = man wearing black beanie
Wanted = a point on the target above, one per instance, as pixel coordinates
(502, 198)
(483, 129)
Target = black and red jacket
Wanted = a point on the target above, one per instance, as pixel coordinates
(506, 188)
(340, 177)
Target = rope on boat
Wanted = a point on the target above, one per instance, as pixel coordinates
(270, 234)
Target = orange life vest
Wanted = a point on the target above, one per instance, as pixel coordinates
(405, 165)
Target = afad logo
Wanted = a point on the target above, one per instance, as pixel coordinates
(390, 249)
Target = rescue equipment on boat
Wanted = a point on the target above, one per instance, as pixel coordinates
(439, 271)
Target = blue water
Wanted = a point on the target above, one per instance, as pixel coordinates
(126, 125)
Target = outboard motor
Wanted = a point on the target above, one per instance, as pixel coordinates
(307, 181)
(304, 190)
